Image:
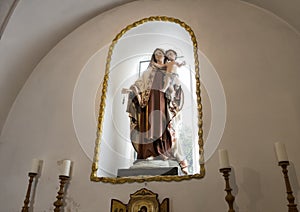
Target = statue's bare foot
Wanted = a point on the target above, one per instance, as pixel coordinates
(184, 166)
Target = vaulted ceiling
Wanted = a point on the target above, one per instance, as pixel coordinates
(33, 28)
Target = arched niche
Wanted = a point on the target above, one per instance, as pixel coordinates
(128, 56)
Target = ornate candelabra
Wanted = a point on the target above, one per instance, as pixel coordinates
(25, 208)
(229, 197)
(59, 202)
(283, 161)
(292, 206)
(225, 169)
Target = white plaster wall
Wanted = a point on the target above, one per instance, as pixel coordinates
(257, 58)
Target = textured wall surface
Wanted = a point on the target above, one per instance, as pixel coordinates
(256, 56)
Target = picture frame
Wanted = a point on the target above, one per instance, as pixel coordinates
(142, 200)
(99, 171)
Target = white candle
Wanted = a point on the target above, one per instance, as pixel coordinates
(35, 164)
(224, 160)
(281, 152)
(66, 165)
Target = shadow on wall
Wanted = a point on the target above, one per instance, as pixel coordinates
(252, 179)
(235, 189)
(293, 181)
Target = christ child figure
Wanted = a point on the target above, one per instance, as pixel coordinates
(171, 66)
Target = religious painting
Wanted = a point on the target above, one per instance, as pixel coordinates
(150, 112)
(142, 200)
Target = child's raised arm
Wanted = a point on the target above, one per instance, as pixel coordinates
(159, 65)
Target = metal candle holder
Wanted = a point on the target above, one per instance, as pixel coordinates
(229, 197)
(291, 206)
(59, 202)
(25, 208)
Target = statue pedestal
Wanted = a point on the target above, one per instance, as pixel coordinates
(150, 168)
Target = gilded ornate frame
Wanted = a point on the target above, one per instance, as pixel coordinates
(93, 175)
(141, 198)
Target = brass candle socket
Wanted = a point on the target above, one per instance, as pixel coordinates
(292, 207)
(59, 202)
(25, 208)
(229, 197)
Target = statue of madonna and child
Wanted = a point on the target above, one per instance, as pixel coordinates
(154, 104)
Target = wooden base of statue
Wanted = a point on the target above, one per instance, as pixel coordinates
(148, 171)
(291, 206)
(25, 208)
(59, 202)
(143, 167)
(229, 197)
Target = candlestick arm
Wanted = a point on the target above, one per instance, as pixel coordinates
(291, 206)
(25, 208)
(229, 197)
(60, 194)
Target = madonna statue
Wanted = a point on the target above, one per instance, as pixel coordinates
(154, 104)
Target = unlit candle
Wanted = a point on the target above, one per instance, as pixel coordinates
(281, 152)
(224, 160)
(66, 165)
(35, 165)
